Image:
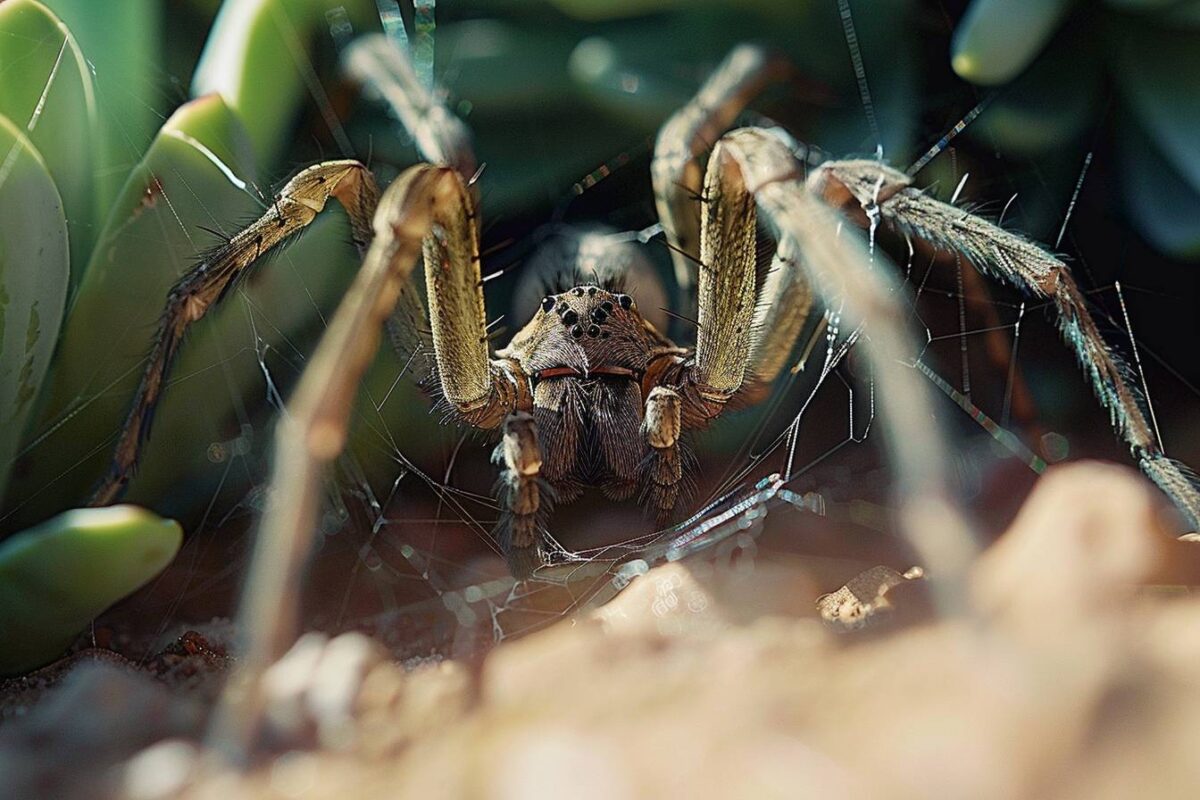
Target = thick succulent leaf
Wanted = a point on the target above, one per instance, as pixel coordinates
(1040, 111)
(1141, 5)
(1183, 15)
(46, 88)
(186, 179)
(256, 58)
(33, 282)
(997, 39)
(498, 67)
(122, 41)
(55, 578)
(197, 174)
(1164, 206)
(1158, 73)
(639, 72)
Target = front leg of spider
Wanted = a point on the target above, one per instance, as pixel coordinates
(662, 426)
(523, 503)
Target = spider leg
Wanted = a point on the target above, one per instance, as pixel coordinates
(689, 133)
(754, 162)
(313, 431)
(742, 343)
(480, 390)
(662, 425)
(1018, 262)
(784, 304)
(521, 493)
(440, 136)
(298, 204)
(728, 257)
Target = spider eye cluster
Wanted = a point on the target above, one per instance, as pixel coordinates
(593, 323)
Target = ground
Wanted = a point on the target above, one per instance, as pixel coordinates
(1070, 672)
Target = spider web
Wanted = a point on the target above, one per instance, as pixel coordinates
(405, 548)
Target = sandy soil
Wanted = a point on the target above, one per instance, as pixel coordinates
(1075, 672)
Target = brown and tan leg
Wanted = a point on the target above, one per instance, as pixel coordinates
(859, 186)
(784, 304)
(195, 293)
(480, 390)
(726, 301)
(313, 431)
(440, 136)
(839, 269)
(662, 425)
(676, 170)
(522, 505)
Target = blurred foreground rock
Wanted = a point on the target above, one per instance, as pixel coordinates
(1076, 675)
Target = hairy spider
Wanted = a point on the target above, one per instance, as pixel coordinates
(589, 393)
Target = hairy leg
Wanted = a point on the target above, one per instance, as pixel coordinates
(195, 293)
(480, 390)
(662, 425)
(726, 301)
(440, 138)
(689, 133)
(313, 432)
(784, 304)
(867, 187)
(521, 489)
(839, 269)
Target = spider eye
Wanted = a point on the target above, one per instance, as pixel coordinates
(625, 301)
(594, 331)
(591, 290)
(607, 306)
(577, 332)
(547, 304)
(569, 317)
(599, 315)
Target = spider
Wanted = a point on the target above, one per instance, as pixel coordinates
(589, 393)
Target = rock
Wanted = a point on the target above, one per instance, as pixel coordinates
(1086, 537)
(100, 715)
(312, 692)
(865, 597)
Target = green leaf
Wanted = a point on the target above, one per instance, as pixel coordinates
(1158, 74)
(1040, 110)
(197, 174)
(256, 58)
(57, 577)
(34, 274)
(46, 88)
(188, 178)
(997, 39)
(501, 68)
(1164, 206)
(122, 42)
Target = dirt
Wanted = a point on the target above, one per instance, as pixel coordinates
(1071, 672)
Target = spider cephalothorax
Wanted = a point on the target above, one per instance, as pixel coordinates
(585, 354)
